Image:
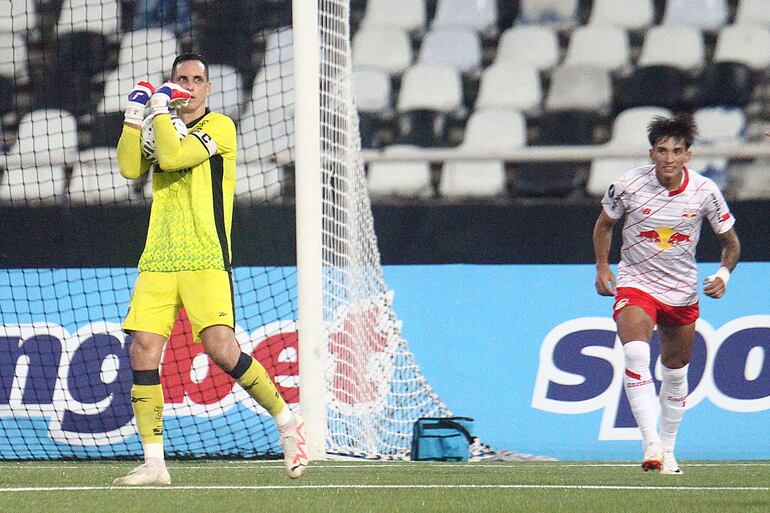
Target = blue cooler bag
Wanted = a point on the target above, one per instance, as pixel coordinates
(442, 439)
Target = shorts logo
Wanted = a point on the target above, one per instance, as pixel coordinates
(621, 303)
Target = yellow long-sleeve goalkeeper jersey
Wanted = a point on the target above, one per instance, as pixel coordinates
(193, 185)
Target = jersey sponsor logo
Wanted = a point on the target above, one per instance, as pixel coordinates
(689, 214)
(665, 238)
(582, 366)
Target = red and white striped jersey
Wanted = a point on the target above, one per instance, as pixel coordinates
(661, 231)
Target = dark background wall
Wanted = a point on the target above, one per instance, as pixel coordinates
(536, 232)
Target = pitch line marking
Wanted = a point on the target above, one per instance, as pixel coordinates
(387, 487)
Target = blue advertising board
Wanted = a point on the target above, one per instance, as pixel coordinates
(530, 352)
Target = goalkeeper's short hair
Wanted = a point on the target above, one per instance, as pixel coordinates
(190, 57)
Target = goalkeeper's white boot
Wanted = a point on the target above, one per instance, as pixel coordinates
(670, 466)
(149, 473)
(653, 456)
(294, 447)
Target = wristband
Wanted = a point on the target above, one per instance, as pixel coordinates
(723, 273)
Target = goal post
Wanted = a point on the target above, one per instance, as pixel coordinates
(307, 166)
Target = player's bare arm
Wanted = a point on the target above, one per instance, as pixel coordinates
(602, 240)
(716, 284)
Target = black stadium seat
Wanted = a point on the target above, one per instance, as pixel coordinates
(657, 85)
(725, 83)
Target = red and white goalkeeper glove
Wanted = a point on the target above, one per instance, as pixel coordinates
(137, 99)
(168, 96)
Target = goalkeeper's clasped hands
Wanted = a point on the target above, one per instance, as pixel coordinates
(168, 96)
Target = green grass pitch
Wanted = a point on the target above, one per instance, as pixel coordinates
(336, 486)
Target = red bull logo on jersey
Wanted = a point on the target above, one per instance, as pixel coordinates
(665, 238)
(581, 370)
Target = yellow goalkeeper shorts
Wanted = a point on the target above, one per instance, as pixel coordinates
(207, 297)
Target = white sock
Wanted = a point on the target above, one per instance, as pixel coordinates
(673, 394)
(153, 451)
(283, 417)
(640, 389)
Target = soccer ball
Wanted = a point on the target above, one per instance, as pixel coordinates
(148, 136)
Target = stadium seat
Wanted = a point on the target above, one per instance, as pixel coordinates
(507, 84)
(579, 87)
(629, 128)
(79, 59)
(628, 131)
(753, 11)
(430, 86)
(459, 47)
(266, 127)
(748, 44)
(585, 40)
(536, 45)
(489, 130)
(7, 95)
(372, 90)
(557, 128)
(702, 14)
(226, 90)
(385, 48)
(752, 180)
(96, 180)
(19, 16)
(231, 31)
(410, 15)
(662, 86)
(13, 57)
(717, 125)
(400, 179)
(658, 42)
(480, 15)
(561, 14)
(373, 98)
(258, 182)
(726, 84)
(146, 52)
(45, 137)
(635, 15)
(35, 173)
(96, 16)
(106, 128)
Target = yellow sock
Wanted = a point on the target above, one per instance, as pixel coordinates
(255, 380)
(147, 403)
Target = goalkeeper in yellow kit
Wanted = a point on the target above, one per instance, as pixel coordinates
(186, 259)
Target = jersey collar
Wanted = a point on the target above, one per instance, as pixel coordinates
(685, 181)
(195, 121)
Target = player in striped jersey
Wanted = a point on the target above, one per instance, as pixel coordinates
(186, 260)
(664, 205)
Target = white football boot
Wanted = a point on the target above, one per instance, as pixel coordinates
(670, 466)
(149, 473)
(653, 456)
(295, 456)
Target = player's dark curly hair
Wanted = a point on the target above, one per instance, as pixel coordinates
(680, 127)
(190, 57)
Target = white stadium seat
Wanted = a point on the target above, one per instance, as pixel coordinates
(536, 45)
(385, 48)
(459, 47)
(613, 41)
(635, 15)
(510, 85)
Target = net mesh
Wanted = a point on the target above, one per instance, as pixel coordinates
(74, 229)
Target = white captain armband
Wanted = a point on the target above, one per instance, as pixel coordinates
(207, 141)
